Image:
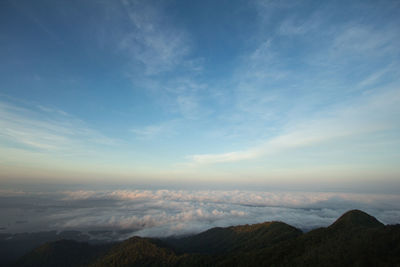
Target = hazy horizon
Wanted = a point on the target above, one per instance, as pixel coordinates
(162, 213)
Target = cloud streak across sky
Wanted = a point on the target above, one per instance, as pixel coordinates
(178, 212)
(373, 113)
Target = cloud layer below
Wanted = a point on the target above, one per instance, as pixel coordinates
(179, 212)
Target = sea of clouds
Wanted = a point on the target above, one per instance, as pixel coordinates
(163, 213)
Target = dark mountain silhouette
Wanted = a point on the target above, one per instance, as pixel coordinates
(140, 252)
(14, 246)
(356, 218)
(355, 239)
(64, 253)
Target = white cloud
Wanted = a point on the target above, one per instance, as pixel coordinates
(175, 212)
(79, 195)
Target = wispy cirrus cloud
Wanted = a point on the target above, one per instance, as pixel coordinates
(305, 83)
(162, 129)
(374, 113)
(377, 77)
(46, 129)
(153, 41)
(160, 58)
(361, 39)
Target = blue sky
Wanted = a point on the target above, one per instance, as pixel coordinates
(233, 93)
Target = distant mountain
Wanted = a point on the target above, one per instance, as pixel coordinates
(356, 218)
(355, 239)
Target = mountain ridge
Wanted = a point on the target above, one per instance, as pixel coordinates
(225, 239)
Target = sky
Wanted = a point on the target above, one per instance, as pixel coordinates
(285, 95)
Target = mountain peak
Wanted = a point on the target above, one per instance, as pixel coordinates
(356, 218)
